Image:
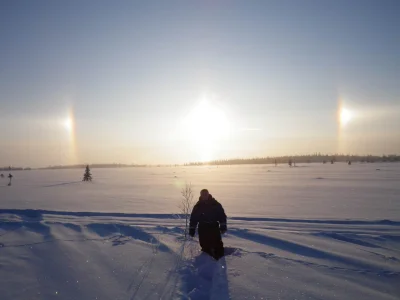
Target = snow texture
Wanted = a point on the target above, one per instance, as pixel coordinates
(310, 232)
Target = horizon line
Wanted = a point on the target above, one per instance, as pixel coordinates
(212, 162)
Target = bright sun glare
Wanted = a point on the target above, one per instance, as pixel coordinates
(206, 126)
(68, 124)
(345, 116)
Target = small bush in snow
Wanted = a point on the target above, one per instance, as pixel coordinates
(186, 205)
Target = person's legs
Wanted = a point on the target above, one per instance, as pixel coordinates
(204, 239)
(220, 251)
(215, 243)
(218, 245)
(211, 241)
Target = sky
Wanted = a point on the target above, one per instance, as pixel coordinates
(178, 81)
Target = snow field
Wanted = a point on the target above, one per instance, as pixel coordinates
(291, 235)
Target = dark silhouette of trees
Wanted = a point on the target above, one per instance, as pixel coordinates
(312, 158)
(115, 165)
(87, 176)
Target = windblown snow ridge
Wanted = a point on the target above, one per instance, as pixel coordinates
(38, 213)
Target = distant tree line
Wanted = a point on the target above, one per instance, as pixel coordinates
(313, 158)
(13, 169)
(80, 166)
(294, 159)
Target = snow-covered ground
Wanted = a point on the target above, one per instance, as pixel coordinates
(311, 232)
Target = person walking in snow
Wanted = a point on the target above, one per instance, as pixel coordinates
(10, 177)
(209, 215)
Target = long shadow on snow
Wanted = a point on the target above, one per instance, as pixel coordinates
(27, 215)
(174, 216)
(8, 227)
(36, 227)
(205, 279)
(37, 212)
(51, 239)
(168, 289)
(186, 277)
(174, 230)
(136, 233)
(309, 221)
(41, 229)
(62, 183)
(144, 269)
(71, 226)
(301, 249)
(347, 239)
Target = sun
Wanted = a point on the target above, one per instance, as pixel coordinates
(68, 124)
(206, 127)
(207, 121)
(345, 116)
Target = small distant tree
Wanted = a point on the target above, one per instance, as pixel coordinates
(186, 205)
(87, 176)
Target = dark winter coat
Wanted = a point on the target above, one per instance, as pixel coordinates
(208, 213)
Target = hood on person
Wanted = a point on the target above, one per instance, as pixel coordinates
(204, 195)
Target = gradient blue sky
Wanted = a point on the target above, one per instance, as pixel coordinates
(137, 79)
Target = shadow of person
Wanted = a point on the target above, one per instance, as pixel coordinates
(206, 279)
(220, 286)
(230, 251)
